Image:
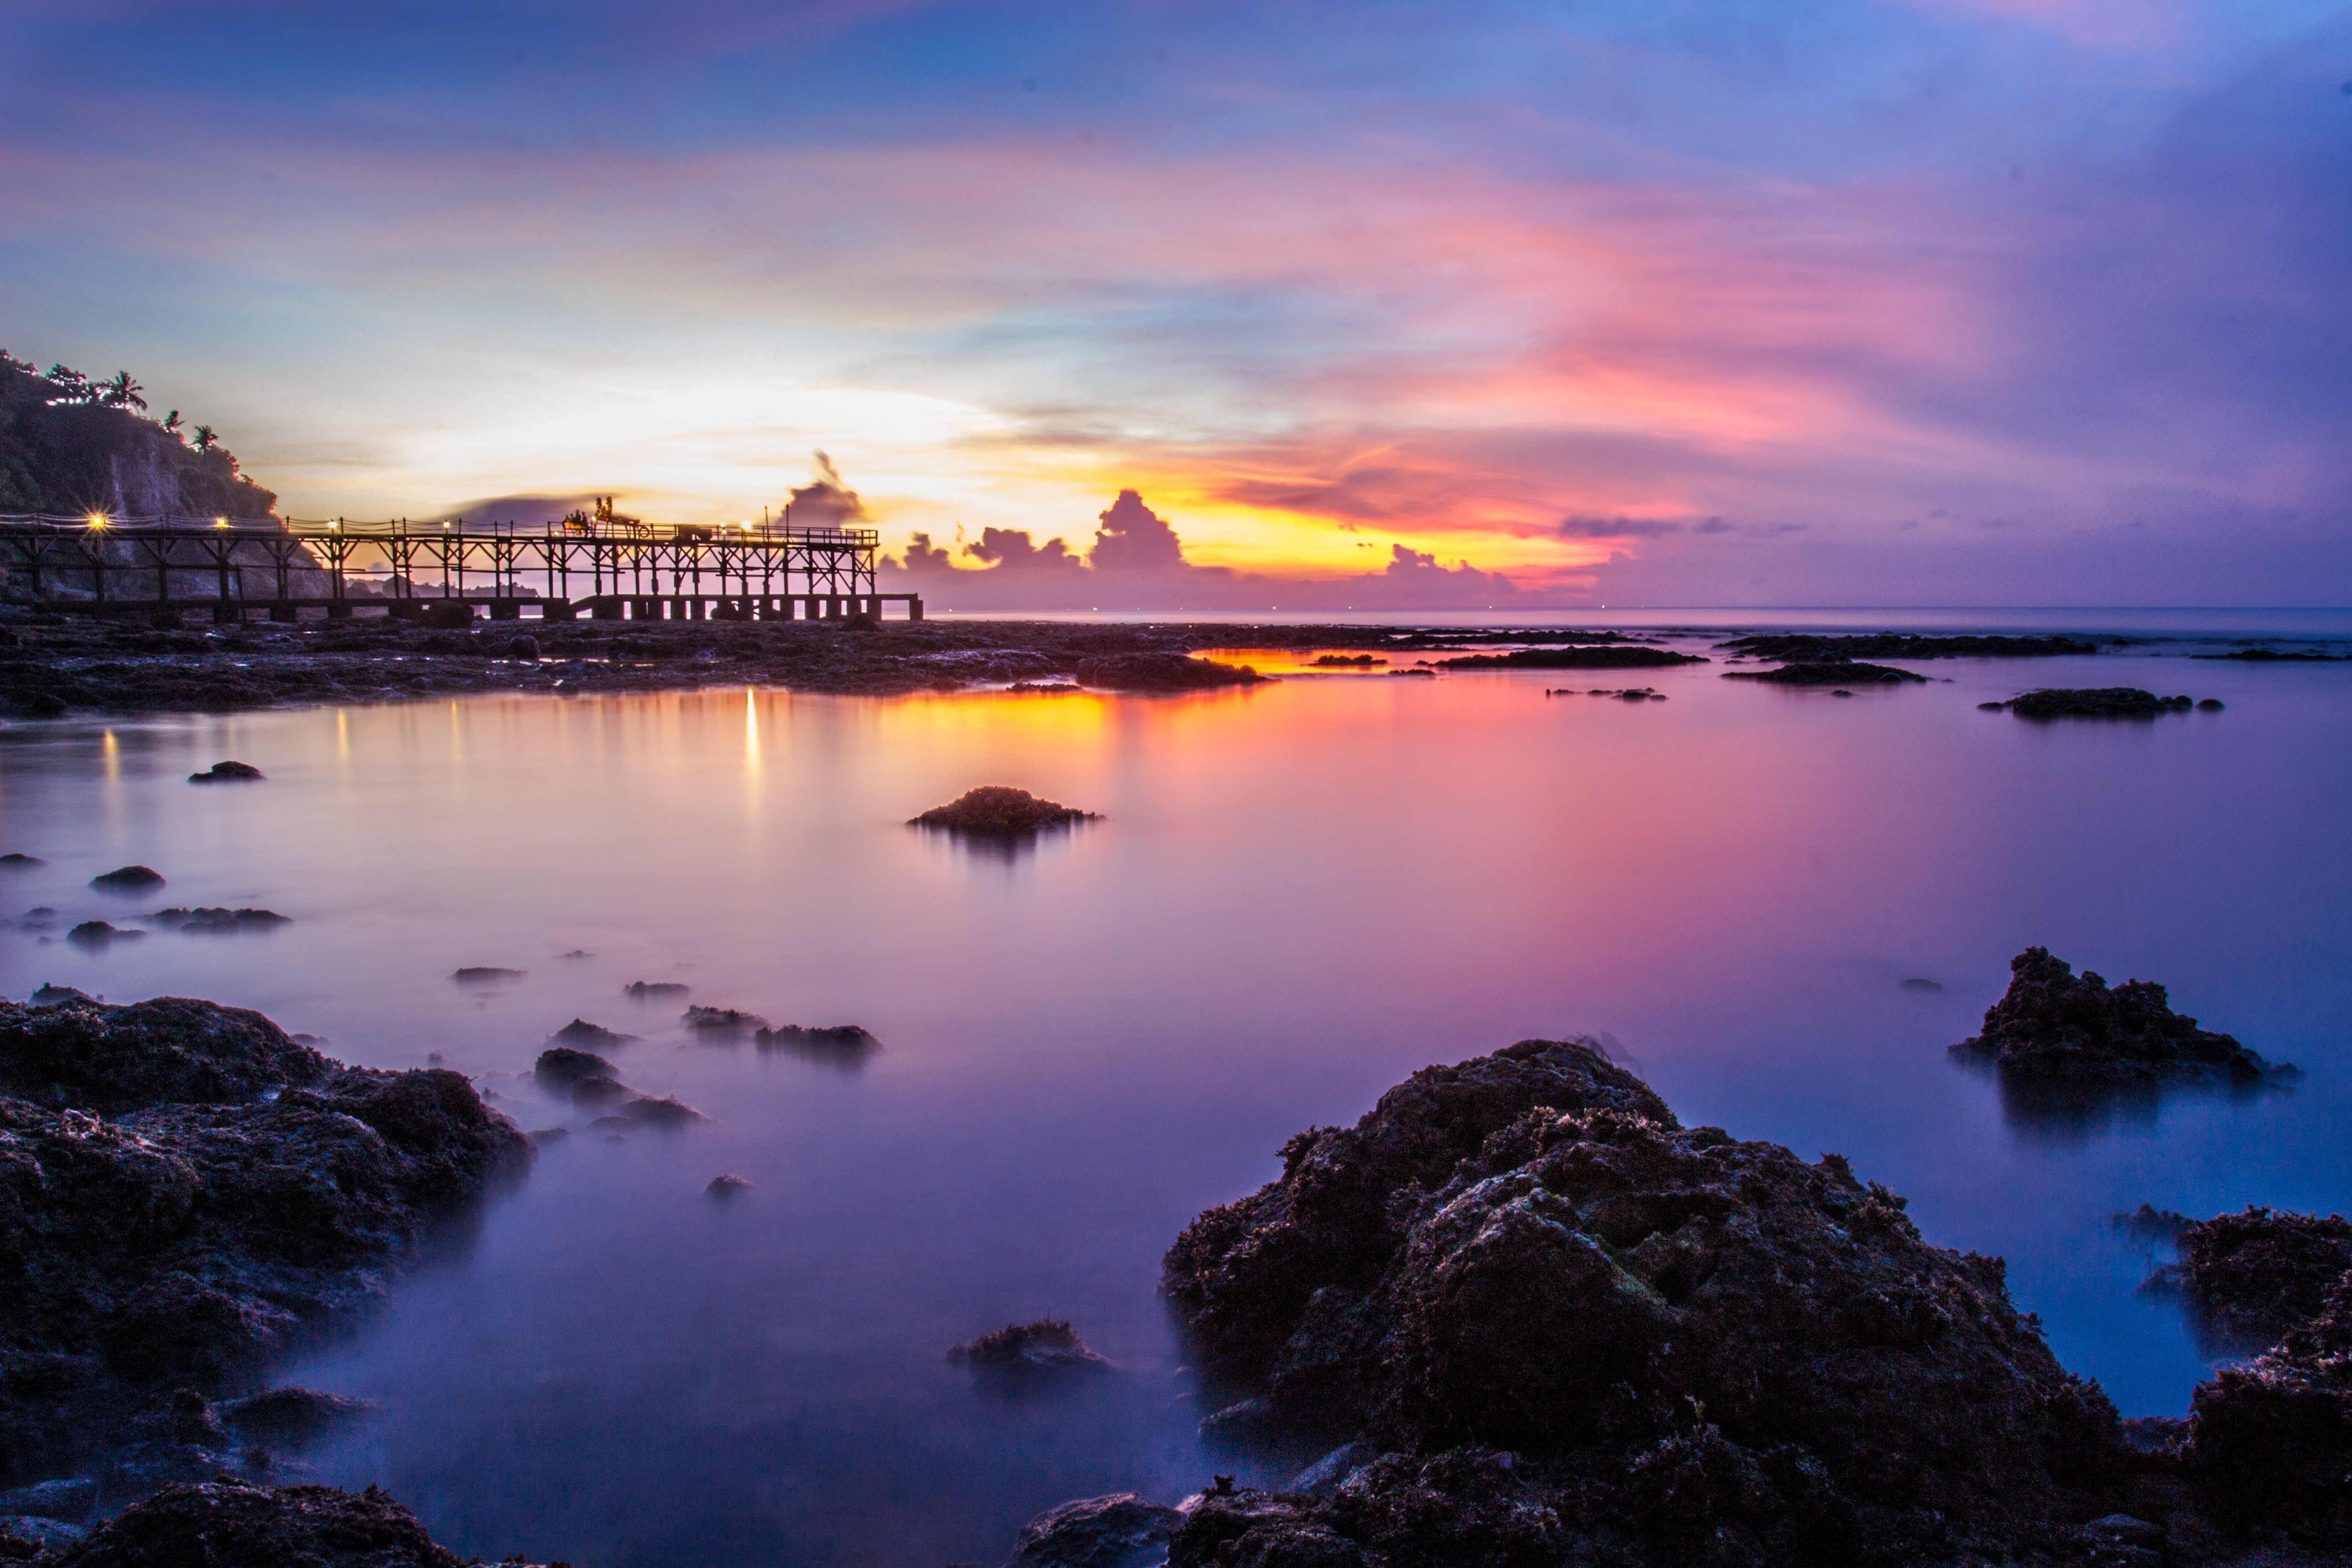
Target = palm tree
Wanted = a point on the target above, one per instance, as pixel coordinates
(122, 392)
(72, 385)
(203, 437)
(172, 422)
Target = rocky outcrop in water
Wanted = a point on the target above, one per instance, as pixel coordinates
(2093, 703)
(2054, 1026)
(1162, 672)
(2272, 655)
(997, 809)
(1569, 1324)
(227, 772)
(1804, 648)
(1122, 1530)
(1573, 658)
(1830, 674)
(2252, 1277)
(184, 1191)
(1045, 1345)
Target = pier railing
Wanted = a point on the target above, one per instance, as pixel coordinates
(609, 568)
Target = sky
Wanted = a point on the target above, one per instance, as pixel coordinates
(1866, 302)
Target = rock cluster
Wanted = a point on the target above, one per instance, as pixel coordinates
(1162, 672)
(185, 1190)
(1568, 1323)
(229, 1522)
(999, 810)
(587, 1079)
(2056, 1026)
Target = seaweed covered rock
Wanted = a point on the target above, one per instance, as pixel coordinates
(1559, 1313)
(183, 1190)
(2057, 1026)
(2270, 1444)
(1000, 810)
(1043, 1345)
(2252, 1277)
(227, 1522)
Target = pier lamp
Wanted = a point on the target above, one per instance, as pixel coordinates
(97, 520)
(220, 523)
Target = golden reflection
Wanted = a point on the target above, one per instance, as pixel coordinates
(113, 759)
(750, 735)
(342, 735)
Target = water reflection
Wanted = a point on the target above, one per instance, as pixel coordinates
(1295, 898)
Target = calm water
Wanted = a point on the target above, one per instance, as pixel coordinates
(1302, 892)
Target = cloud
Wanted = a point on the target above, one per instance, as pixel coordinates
(1132, 538)
(824, 501)
(1617, 527)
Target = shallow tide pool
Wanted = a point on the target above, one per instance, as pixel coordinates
(1301, 893)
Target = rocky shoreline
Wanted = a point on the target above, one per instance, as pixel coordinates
(52, 664)
(185, 1194)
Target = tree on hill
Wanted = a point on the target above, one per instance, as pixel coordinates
(122, 392)
(72, 385)
(204, 437)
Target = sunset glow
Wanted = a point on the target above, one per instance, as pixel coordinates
(1877, 302)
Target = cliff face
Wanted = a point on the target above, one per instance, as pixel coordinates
(72, 458)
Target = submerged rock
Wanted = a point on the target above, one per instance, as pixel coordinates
(1810, 674)
(581, 1035)
(726, 1023)
(50, 995)
(1122, 1530)
(2094, 703)
(1042, 1345)
(2054, 1026)
(98, 933)
(728, 1186)
(486, 974)
(183, 1190)
(2272, 655)
(658, 1110)
(227, 772)
(643, 989)
(127, 880)
(997, 809)
(583, 1076)
(1562, 1317)
(20, 862)
(1814, 648)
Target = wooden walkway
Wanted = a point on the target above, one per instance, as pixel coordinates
(165, 566)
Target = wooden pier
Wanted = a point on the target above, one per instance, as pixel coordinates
(164, 566)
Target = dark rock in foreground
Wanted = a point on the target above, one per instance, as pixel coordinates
(1578, 1331)
(229, 1524)
(1829, 675)
(292, 1418)
(2270, 1444)
(1044, 1345)
(227, 772)
(1122, 1530)
(1573, 658)
(2093, 703)
(1801, 648)
(127, 880)
(1000, 810)
(184, 1191)
(2054, 1026)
